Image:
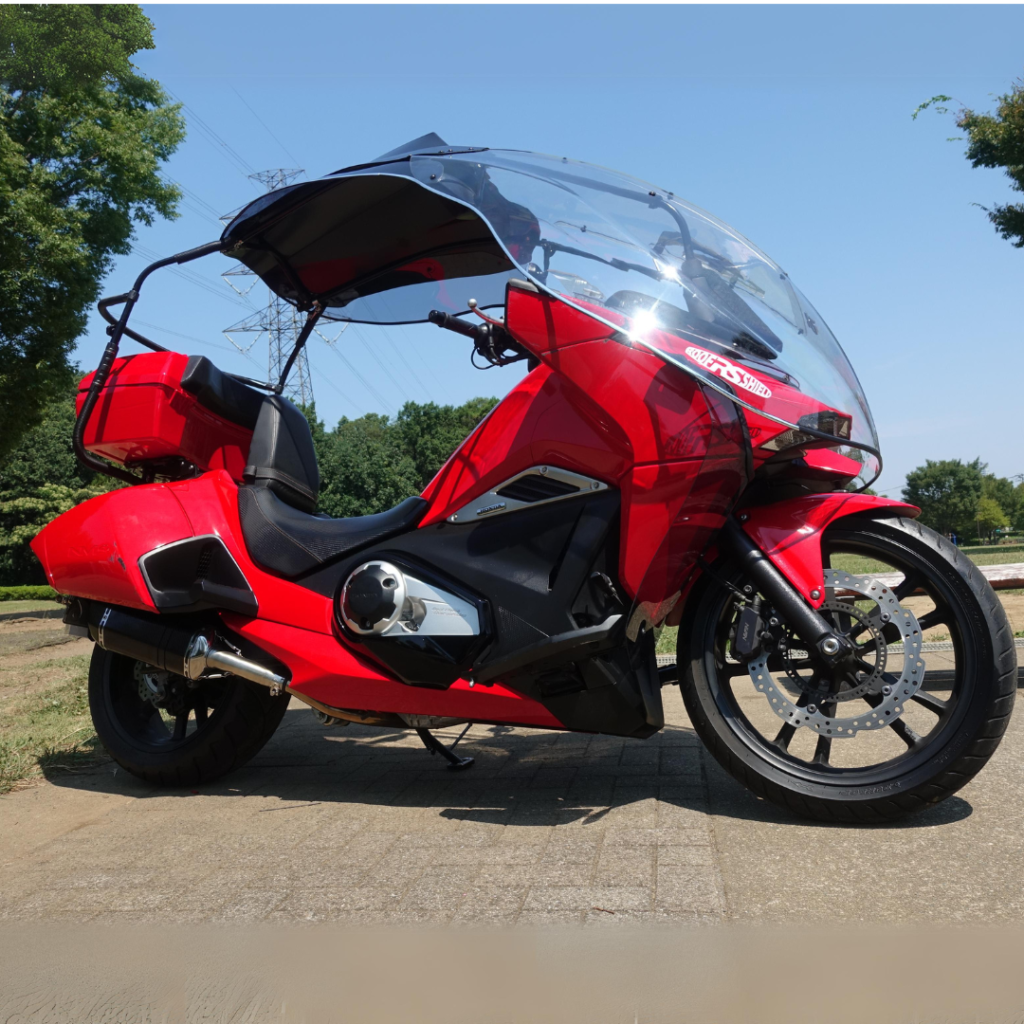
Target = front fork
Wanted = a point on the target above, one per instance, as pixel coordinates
(809, 626)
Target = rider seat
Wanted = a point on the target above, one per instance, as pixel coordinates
(280, 491)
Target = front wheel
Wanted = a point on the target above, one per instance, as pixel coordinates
(170, 732)
(908, 719)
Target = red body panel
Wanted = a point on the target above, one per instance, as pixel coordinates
(93, 549)
(143, 413)
(789, 532)
(327, 671)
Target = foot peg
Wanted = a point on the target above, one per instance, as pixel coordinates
(435, 746)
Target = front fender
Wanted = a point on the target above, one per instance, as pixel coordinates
(789, 532)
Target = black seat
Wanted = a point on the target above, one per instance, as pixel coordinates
(220, 393)
(279, 494)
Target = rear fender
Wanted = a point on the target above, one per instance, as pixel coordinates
(789, 532)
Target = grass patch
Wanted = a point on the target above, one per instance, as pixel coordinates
(48, 729)
(28, 594)
(667, 640)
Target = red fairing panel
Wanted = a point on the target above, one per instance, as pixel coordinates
(93, 549)
(790, 532)
(333, 674)
(542, 420)
(613, 412)
(211, 503)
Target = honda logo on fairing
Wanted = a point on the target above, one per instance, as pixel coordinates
(728, 371)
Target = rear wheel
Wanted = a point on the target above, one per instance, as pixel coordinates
(905, 723)
(171, 732)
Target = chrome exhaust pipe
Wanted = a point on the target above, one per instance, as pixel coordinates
(202, 656)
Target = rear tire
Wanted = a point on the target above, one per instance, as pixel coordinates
(966, 730)
(226, 722)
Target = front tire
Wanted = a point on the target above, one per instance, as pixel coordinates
(161, 729)
(935, 745)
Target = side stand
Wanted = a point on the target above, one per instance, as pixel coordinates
(435, 746)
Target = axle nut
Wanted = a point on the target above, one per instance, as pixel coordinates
(830, 645)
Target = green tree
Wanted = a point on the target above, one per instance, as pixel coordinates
(372, 463)
(1002, 492)
(431, 432)
(82, 137)
(1017, 520)
(39, 479)
(997, 141)
(947, 493)
(990, 518)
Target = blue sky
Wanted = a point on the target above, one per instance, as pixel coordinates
(790, 123)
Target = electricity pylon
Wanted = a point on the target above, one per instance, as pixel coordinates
(279, 321)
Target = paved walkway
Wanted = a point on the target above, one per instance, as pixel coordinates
(362, 825)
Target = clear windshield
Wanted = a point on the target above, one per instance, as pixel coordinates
(672, 277)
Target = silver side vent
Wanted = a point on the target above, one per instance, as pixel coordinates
(539, 485)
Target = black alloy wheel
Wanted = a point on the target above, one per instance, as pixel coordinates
(906, 721)
(172, 732)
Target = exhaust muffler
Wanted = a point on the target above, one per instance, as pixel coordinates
(167, 646)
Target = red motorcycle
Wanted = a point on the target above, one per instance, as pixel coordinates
(690, 448)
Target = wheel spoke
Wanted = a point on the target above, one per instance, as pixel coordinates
(180, 726)
(822, 749)
(786, 733)
(936, 617)
(911, 582)
(201, 713)
(905, 733)
(788, 730)
(940, 707)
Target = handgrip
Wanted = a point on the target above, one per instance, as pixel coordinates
(453, 323)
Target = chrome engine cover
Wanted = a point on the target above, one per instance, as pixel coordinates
(379, 599)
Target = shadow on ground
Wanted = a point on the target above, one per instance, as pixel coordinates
(524, 777)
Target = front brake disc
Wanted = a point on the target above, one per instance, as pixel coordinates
(900, 689)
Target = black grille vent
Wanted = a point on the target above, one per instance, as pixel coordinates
(536, 488)
(203, 567)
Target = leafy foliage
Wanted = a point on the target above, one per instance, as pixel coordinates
(947, 493)
(39, 479)
(961, 498)
(372, 463)
(990, 518)
(997, 141)
(82, 136)
(27, 593)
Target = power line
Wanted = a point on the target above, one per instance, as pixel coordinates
(330, 383)
(262, 122)
(405, 363)
(236, 160)
(199, 341)
(198, 205)
(366, 384)
(191, 278)
(383, 367)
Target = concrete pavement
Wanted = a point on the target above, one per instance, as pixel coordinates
(361, 825)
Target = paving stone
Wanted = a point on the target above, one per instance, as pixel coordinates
(359, 826)
(584, 897)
